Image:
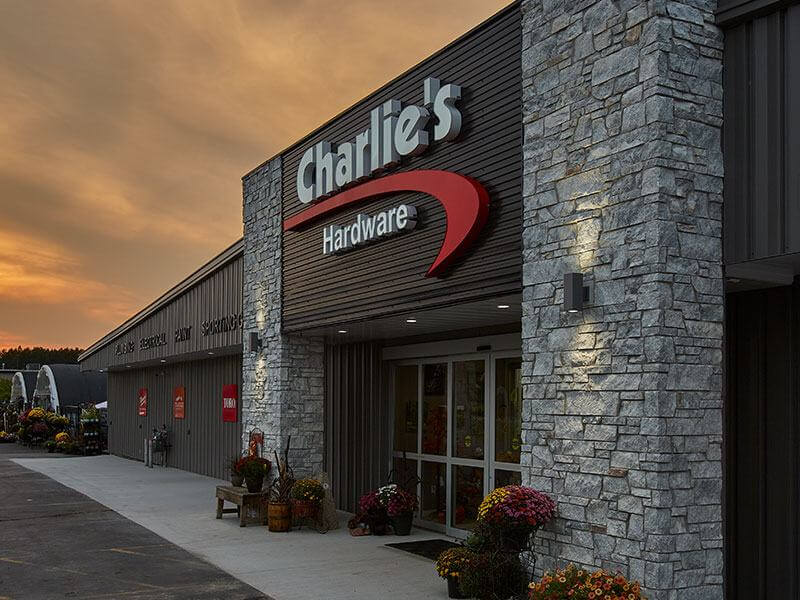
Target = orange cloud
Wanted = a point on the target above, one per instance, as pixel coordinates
(126, 128)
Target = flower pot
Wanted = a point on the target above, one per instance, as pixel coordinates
(254, 484)
(402, 524)
(236, 480)
(304, 509)
(378, 526)
(454, 587)
(279, 516)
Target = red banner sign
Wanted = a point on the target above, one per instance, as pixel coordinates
(179, 402)
(230, 395)
(143, 402)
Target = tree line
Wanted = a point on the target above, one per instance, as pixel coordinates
(17, 358)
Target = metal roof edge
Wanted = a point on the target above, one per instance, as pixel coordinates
(220, 260)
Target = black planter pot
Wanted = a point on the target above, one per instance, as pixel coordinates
(254, 485)
(236, 480)
(402, 524)
(453, 587)
(378, 527)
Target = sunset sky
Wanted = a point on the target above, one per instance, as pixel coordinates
(126, 126)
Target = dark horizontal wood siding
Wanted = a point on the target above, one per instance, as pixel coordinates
(201, 442)
(216, 296)
(388, 277)
(358, 422)
(762, 136)
(762, 445)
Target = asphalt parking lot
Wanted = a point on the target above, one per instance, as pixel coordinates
(57, 543)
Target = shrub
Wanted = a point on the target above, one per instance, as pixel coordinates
(573, 583)
(308, 489)
(494, 575)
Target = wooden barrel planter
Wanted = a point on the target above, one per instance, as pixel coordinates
(279, 516)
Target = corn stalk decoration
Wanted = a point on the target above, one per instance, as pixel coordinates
(281, 488)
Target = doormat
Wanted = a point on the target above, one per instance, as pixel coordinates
(430, 549)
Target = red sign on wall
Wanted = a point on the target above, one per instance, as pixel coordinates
(230, 395)
(143, 402)
(179, 402)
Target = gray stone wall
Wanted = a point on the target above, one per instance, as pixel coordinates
(623, 182)
(283, 384)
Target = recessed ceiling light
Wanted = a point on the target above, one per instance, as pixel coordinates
(210, 353)
(163, 361)
(573, 310)
(734, 279)
(503, 306)
(342, 331)
(411, 320)
(127, 366)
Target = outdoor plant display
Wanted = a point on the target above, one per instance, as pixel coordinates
(580, 584)
(372, 513)
(517, 511)
(236, 466)
(279, 508)
(307, 495)
(400, 505)
(7, 438)
(38, 425)
(254, 469)
(62, 436)
(50, 446)
(450, 564)
(507, 518)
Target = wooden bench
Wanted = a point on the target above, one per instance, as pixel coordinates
(245, 502)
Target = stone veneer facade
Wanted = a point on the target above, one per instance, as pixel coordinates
(622, 419)
(283, 384)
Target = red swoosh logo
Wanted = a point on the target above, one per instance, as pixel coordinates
(465, 202)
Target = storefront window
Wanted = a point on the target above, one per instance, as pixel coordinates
(503, 478)
(467, 496)
(468, 409)
(404, 473)
(508, 409)
(434, 409)
(433, 499)
(406, 390)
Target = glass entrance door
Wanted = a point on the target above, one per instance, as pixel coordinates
(458, 421)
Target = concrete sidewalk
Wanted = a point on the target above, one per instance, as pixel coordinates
(299, 565)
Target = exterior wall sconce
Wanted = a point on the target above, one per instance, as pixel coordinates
(255, 342)
(576, 295)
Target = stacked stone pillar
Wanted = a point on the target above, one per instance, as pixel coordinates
(283, 383)
(623, 183)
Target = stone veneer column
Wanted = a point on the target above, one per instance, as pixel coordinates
(283, 384)
(622, 418)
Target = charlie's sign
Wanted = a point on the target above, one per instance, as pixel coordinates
(338, 178)
(394, 132)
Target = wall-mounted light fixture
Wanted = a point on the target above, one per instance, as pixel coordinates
(576, 294)
(255, 342)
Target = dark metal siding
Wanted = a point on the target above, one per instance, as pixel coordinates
(763, 445)
(202, 443)
(730, 12)
(389, 277)
(762, 137)
(216, 296)
(358, 421)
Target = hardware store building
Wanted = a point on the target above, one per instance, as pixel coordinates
(412, 277)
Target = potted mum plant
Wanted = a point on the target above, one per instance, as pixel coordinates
(573, 582)
(516, 512)
(254, 469)
(400, 505)
(373, 513)
(450, 564)
(307, 495)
